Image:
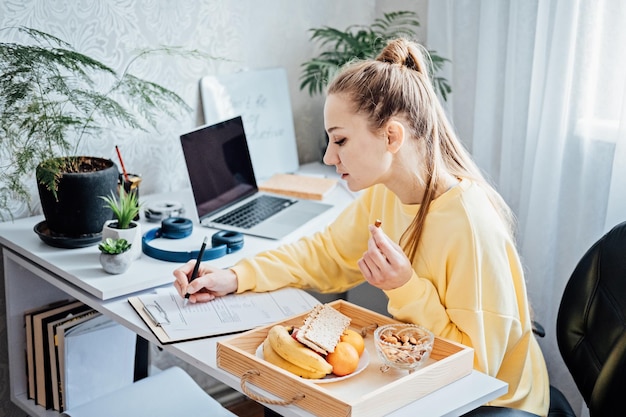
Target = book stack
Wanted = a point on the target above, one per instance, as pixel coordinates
(74, 354)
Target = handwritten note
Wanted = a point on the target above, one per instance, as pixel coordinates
(261, 98)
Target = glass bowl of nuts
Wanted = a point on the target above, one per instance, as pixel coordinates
(403, 346)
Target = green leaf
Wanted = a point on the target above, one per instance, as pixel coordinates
(339, 47)
(125, 207)
(114, 246)
(50, 102)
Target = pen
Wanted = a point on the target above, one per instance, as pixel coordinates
(194, 273)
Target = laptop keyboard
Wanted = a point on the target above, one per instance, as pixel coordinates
(254, 212)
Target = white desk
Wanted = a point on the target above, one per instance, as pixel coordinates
(36, 274)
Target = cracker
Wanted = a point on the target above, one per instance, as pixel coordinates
(322, 328)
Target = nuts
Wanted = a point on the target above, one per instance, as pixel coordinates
(411, 352)
(403, 346)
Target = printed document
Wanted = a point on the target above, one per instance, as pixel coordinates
(166, 311)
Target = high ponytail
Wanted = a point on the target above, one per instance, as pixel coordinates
(405, 53)
(397, 84)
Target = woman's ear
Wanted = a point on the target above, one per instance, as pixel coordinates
(395, 135)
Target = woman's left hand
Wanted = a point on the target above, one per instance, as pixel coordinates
(384, 264)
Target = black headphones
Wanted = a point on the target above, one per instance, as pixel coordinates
(223, 242)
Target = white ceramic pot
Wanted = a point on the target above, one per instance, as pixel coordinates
(116, 264)
(132, 235)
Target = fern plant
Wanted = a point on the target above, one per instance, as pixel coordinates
(50, 102)
(362, 42)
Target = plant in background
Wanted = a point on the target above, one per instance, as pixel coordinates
(362, 42)
(50, 102)
(111, 246)
(125, 207)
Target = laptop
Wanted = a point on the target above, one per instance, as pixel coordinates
(225, 190)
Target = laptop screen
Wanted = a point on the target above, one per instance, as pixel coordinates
(219, 165)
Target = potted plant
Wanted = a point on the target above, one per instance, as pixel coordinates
(360, 42)
(115, 255)
(125, 207)
(50, 102)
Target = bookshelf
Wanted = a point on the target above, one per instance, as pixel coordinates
(35, 283)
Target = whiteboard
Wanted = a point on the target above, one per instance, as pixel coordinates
(261, 98)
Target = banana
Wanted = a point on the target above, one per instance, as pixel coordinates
(295, 352)
(272, 357)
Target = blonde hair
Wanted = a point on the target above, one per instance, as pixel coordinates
(397, 84)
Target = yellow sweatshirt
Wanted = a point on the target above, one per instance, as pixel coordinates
(467, 284)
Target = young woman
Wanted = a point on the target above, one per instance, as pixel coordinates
(444, 255)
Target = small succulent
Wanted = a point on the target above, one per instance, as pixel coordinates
(114, 246)
(125, 207)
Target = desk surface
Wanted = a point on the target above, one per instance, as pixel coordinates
(77, 273)
(81, 266)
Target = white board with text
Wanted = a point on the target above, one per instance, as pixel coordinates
(261, 98)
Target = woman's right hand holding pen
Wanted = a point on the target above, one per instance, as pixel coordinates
(210, 283)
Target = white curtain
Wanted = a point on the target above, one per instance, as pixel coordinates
(539, 97)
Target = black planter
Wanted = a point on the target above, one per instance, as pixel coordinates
(79, 212)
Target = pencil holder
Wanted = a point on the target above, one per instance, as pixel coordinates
(131, 185)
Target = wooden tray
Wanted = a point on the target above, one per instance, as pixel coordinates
(370, 393)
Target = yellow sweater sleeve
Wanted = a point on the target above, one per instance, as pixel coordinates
(325, 261)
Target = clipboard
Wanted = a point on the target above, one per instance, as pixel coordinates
(229, 314)
(153, 324)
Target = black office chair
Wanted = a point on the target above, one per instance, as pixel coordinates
(591, 332)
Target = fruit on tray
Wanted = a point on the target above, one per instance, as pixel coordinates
(344, 359)
(355, 339)
(323, 345)
(272, 357)
(294, 352)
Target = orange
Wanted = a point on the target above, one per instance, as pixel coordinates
(355, 339)
(345, 359)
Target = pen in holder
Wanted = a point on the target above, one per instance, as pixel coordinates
(131, 182)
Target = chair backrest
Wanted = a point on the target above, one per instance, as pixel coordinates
(591, 324)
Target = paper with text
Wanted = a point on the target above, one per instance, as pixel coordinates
(228, 314)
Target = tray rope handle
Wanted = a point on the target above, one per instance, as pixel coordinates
(258, 398)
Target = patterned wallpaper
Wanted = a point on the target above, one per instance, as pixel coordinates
(241, 35)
